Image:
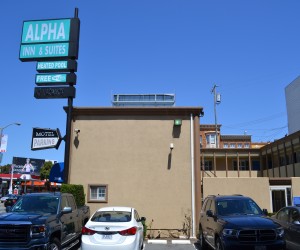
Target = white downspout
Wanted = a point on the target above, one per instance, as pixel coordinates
(193, 179)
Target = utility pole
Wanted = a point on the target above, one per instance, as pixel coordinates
(217, 100)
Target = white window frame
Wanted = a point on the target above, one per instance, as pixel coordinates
(210, 140)
(284, 188)
(97, 193)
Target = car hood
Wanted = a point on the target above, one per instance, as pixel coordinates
(24, 218)
(249, 221)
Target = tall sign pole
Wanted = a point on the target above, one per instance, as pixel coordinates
(68, 131)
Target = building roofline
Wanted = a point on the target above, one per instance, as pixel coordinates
(282, 140)
(230, 150)
(138, 111)
(236, 137)
(210, 126)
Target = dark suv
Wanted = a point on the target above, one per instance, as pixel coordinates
(237, 222)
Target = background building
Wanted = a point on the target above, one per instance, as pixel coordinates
(292, 96)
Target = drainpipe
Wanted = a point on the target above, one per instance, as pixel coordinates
(193, 179)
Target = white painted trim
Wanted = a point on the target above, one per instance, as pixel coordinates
(181, 242)
(193, 179)
(157, 242)
(278, 188)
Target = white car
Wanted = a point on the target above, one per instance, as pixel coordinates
(113, 228)
(4, 198)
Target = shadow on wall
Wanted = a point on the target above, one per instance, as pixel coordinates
(169, 160)
(176, 131)
(176, 134)
(76, 141)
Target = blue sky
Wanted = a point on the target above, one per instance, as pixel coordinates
(249, 48)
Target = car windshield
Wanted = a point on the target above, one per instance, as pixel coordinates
(37, 204)
(242, 206)
(111, 216)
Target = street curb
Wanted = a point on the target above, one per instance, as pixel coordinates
(182, 242)
(157, 241)
(164, 242)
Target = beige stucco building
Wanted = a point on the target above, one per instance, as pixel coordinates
(145, 157)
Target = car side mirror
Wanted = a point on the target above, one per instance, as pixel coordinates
(66, 210)
(265, 211)
(209, 213)
(8, 209)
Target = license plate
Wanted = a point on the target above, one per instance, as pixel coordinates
(260, 247)
(106, 237)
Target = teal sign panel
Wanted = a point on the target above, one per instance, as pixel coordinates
(55, 79)
(46, 31)
(44, 50)
(52, 65)
(50, 40)
(56, 66)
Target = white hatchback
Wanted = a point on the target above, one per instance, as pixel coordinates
(113, 228)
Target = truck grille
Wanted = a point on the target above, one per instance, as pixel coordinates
(257, 235)
(14, 233)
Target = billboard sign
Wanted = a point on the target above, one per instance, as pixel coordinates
(51, 39)
(27, 166)
(45, 138)
(55, 79)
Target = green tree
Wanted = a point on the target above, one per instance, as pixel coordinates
(5, 169)
(45, 170)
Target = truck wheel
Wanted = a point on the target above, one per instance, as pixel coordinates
(202, 241)
(54, 244)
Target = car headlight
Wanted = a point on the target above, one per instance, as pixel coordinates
(38, 231)
(280, 231)
(230, 232)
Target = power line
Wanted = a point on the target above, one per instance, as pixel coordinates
(254, 122)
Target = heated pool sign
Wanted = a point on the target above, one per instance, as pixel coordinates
(49, 39)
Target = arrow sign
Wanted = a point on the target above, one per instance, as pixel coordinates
(45, 138)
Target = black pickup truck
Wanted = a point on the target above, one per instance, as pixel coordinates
(236, 222)
(43, 221)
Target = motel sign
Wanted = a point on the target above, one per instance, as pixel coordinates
(52, 39)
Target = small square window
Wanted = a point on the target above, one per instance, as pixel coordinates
(97, 193)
